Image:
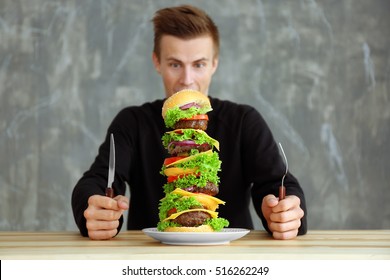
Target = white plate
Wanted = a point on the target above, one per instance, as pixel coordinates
(196, 238)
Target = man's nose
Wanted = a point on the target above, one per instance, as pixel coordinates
(187, 77)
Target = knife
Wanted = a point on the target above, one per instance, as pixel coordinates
(282, 188)
(111, 168)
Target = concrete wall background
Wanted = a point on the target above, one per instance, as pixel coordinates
(318, 71)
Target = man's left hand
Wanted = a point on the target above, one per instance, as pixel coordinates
(283, 217)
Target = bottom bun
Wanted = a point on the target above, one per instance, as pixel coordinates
(203, 228)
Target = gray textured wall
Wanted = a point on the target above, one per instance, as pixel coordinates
(318, 71)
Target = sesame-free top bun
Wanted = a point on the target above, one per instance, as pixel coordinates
(184, 97)
(202, 228)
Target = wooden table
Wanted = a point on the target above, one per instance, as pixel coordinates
(330, 244)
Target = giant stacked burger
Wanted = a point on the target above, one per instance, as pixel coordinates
(190, 200)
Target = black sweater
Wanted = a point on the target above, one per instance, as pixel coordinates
(251, 164)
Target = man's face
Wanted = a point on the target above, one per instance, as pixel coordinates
(186, 64)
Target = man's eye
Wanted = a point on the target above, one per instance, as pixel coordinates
(175, 65)
(200, 65)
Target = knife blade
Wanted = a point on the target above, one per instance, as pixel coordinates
(111, 168)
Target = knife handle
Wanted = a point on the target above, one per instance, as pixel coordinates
(282, 193)
(110, 192)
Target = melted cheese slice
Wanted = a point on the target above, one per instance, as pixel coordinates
(208, 201)
(209, 152)
(174, 216)
(175, 171)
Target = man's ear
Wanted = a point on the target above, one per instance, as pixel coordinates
(156, 62)
(215, 65)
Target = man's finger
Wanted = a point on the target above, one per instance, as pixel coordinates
(283, 217)
(101, 201)
(290, 202)
(122, 202)
(102, 225)
(285, 227)
(102, 214)
(285, 235)
(102, 234)
(270, 200)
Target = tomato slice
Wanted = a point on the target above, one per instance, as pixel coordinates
(198, 117)
(171, 179)
(170, 160)
(171, 211)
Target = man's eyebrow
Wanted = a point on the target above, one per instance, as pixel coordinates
(202, 59)
(173, 58)
(178, 60)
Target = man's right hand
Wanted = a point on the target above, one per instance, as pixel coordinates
(103, 215)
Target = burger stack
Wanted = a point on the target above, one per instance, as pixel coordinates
(192, 168)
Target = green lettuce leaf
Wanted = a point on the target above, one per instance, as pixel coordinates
(161, 226)
(175, 114)
(177, 201)
(208, 165)
(217, 223)
(198, 136)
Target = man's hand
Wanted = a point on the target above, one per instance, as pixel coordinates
(103, 215)
(283, 217)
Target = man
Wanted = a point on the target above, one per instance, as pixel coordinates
(186, 48)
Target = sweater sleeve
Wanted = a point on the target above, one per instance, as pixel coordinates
(265, 166)
(94, 180)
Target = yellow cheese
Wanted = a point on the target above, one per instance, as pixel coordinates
(175, 171)
(208, 201)
(189, 158)
(174, 216)
(214, 142)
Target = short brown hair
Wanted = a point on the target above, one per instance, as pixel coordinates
(185, 22)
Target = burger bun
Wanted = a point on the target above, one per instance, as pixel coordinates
(202, 228)
(184, 97)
